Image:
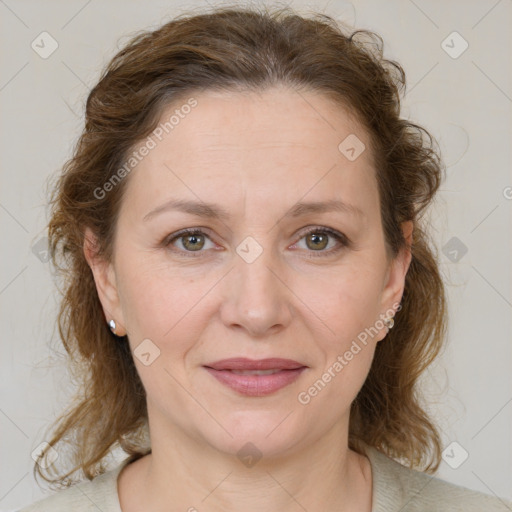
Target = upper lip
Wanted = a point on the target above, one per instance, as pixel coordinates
(242, 363)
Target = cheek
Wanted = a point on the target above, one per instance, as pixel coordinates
(348, 307)
(347, 300)
(162, 303)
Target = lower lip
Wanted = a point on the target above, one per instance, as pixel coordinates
(256, 385)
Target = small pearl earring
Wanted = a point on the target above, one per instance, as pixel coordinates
(112, 325)
(389, 322)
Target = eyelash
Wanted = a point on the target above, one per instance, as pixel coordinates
(339, 237)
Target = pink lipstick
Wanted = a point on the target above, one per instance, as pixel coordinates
(256, 377)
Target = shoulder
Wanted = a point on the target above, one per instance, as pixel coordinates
(86, 496)
(396, 487)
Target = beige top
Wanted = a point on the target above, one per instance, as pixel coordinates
(395, 489)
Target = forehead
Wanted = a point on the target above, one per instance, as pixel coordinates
(259, 146)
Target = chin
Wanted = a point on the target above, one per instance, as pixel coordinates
(257, 433)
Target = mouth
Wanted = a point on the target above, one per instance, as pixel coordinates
(254, 372)
(256, 377)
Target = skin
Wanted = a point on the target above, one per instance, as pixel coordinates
(255, 155)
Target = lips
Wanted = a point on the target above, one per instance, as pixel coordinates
(244, 364)
(255, 377)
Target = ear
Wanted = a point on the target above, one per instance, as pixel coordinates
(395, 277)
(105, 280)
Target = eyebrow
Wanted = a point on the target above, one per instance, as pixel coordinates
(199, 209)
(212, 211)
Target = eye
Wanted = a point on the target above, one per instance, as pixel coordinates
(319, 238)
(192, 240)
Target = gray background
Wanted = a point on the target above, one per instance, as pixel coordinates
(464, 101)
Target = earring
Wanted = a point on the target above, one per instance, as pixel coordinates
(112, 325)
(389, 322)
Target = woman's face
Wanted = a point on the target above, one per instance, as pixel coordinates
(253, 283)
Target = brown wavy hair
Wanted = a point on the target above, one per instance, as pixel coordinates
(229, 49)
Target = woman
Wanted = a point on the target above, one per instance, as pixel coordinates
(239, 226)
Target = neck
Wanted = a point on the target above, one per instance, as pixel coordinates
(191, 475)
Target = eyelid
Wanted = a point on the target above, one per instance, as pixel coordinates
(322, 229)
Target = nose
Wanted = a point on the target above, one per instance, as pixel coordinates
(257, 297)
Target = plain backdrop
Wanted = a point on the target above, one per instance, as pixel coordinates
(457, 60)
